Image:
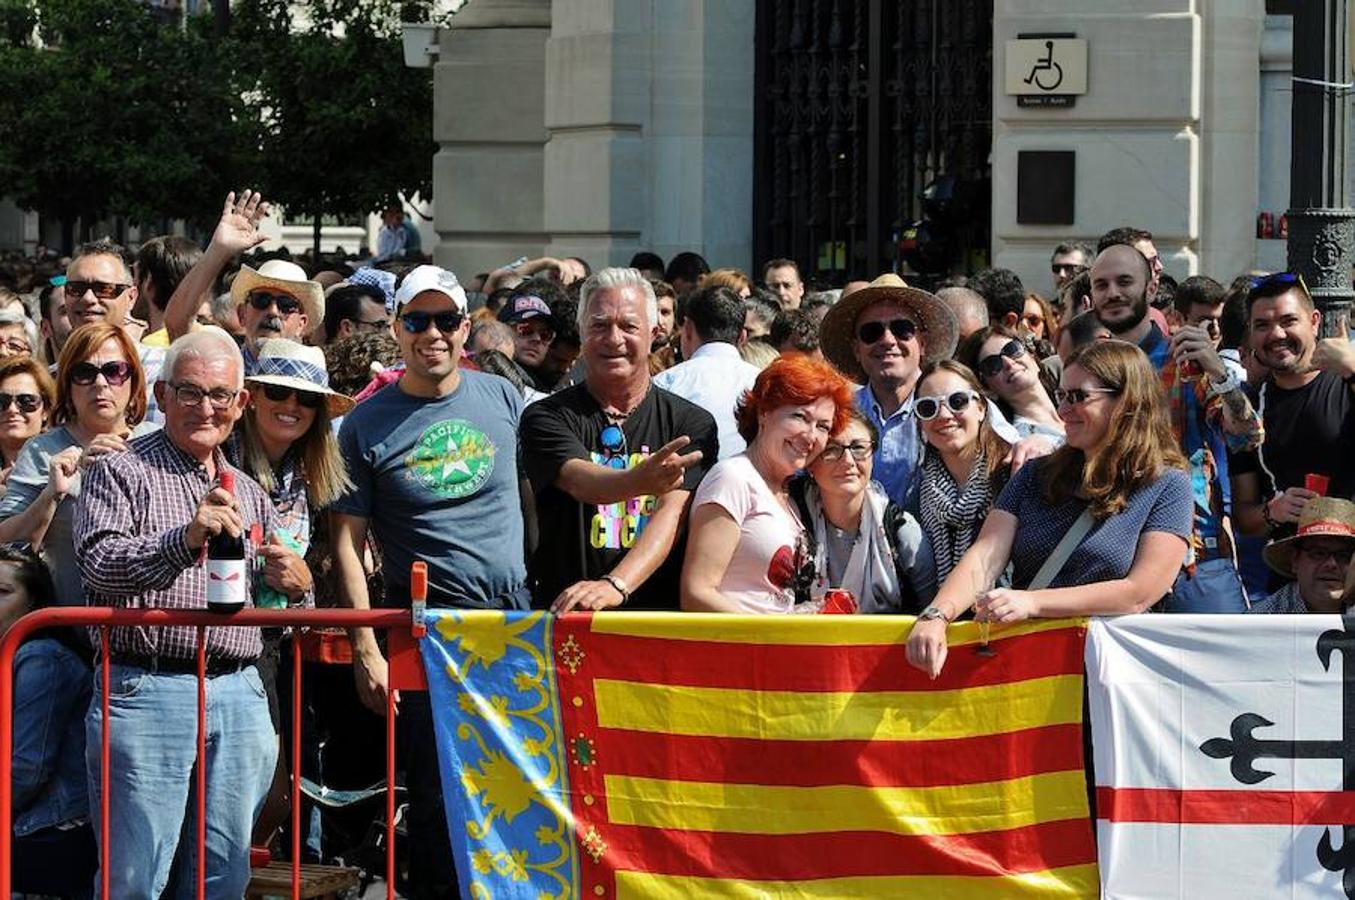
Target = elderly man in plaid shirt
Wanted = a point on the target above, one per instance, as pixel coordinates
(141, 528)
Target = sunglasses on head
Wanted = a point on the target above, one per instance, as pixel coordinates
(279, 393)
(287, 304)
(104, 290)
(115, 373)
(26, 403)
(902, 329)
(991, 366)
(928, 408)
(418, 322)
(1276, 282)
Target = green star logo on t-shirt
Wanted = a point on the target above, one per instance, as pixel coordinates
(452, 458)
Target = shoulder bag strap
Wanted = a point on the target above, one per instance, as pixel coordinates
(1054, 564)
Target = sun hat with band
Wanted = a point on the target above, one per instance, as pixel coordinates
(938, 331)
(1328, 517)
(288, 364)
(281, 277)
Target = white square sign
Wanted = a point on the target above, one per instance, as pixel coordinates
(1046, 66)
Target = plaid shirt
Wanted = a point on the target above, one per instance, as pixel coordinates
(131, 542)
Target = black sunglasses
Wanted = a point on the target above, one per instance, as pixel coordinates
(27, 403)
(104, 290)
(279, 393)
(287, 304)
(991, 366)
(418, 322)
(1264, 284)
(115, 373)
(928, 408)
(902, 329)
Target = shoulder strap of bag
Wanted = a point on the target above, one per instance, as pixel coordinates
(1054, 564)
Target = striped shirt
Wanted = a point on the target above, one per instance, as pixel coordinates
(131, 543)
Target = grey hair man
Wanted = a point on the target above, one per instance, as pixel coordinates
(968, 306)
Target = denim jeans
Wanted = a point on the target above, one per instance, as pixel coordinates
(152, 748)
(1215, 588)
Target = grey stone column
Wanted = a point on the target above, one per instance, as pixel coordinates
(489, 122)
(1321, 222)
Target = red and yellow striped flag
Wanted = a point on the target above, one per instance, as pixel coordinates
(717, 756)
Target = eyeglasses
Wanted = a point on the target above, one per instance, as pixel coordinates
(1079, 396)
(928, 408)
(529, 329)
(374, 324)
(190, 395)
(286, 303)
(280, 393)
(902, 329)
(26, 403)
(1341, 556)
(16, 347)
(115, 373)
(104, 290)
(1060, 268)
(859, 450)
(1033, 321)
(418, 322)
(613, 441)
(991, 366)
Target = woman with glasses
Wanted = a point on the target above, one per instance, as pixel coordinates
(100, 398)
(1106, 516)
(1038, 318)
(963, 467)
(859, 540)
(26, 398)
(1013, 376)
(746, 551)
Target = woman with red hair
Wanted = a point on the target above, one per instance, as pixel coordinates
(746, 546)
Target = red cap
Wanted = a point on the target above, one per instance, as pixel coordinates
(228, 481)
(418, 581)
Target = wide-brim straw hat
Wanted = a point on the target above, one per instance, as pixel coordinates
(1321, 517)
(838, 331)
(282, 277)
(289, 364)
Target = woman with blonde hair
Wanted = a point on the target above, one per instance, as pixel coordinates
(1099, 527)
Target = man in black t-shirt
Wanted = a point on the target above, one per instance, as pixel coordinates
(612, 462)
(1306, 405)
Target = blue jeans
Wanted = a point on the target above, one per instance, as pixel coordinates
(1215, 588)
(152, 748)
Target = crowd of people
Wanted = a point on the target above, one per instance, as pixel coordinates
(658, 436)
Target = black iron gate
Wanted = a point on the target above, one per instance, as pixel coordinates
(862, 106)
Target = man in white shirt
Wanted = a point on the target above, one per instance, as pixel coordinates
(714, 376)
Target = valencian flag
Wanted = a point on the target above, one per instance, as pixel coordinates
(1225, 755)
(683, 755)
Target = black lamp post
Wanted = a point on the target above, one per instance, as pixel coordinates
(1321, 222)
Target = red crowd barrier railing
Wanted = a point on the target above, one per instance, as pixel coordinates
(405, 673)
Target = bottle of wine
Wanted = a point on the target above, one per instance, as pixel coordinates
(226, 576)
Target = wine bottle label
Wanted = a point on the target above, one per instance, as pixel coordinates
(226, 582)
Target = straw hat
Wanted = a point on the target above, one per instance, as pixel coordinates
(289, 364)
(938, 336)
(282, 277)
(1321, 517)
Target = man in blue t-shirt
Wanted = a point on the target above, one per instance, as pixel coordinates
(433, 460)
(1210, 415)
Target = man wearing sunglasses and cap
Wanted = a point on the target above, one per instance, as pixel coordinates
(276, 300)
(1317, 558)
(434, 463)
(881, 337)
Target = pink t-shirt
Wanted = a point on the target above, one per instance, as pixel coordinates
(759, 576)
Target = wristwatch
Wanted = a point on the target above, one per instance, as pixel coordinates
(619, 585)
(932, 612)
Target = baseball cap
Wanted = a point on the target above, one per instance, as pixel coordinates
(520, 309)
(430, 278)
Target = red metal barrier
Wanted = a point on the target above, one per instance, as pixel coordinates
(405, 674)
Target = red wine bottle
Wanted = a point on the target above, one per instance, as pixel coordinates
(226, 563)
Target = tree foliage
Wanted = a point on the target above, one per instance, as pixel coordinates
(111, 107)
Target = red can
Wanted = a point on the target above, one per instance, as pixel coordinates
(1283, 233)
(1265, 225)
(839, 602)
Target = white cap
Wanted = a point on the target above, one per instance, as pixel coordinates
(430, 278)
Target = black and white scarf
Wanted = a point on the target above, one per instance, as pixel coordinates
(952, 515)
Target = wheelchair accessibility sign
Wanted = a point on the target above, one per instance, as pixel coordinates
(1046, 70)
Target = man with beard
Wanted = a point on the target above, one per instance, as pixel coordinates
(1210, 416)
(274, 300)
(1305, 402)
